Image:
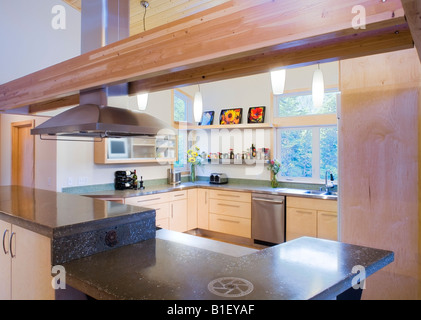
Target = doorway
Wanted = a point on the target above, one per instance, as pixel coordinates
(23, 153)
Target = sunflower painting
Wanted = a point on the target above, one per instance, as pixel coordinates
(231, 116)
(256, 115)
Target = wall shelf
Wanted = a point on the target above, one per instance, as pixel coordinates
(233, 126)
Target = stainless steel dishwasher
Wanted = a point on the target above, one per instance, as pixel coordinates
(268, 218)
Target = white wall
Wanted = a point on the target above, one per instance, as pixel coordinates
(28, 40)
(45, 154)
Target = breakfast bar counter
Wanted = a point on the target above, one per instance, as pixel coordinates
(176, 266)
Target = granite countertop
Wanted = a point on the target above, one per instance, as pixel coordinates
(202, 184)
(176, 266)
(57, 214)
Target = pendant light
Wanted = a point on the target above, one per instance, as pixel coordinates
(318, 88)
(198, 106)
(142, 101)
(278, 81)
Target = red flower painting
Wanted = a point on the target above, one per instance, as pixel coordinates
(256, 115)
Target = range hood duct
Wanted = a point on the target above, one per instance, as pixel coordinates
(103, 22)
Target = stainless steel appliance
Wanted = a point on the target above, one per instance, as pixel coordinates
(173, 177)
(218, 178)
(268, 218)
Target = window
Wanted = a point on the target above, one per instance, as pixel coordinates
(306, 153)
(183, 105)
(308, 138)
(302, 105)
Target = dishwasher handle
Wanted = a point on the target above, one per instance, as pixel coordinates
(268, 200)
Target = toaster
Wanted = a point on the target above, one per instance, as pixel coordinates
(218, 178)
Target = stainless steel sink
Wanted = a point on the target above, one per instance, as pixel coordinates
(321, 193)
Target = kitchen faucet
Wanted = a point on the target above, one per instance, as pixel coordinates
(329, 185)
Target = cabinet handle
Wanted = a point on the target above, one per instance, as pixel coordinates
(229, 195)
(172, 209)
(4, 241)
(206, 197)
(226, 220)
(227, 205)
(328, 214)
(11, 245)
(139, 201)
(304, 212)
(179, 195)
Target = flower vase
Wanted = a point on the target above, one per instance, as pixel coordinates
(193, 173)
(274, 182)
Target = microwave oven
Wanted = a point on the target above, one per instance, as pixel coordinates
(118, 148)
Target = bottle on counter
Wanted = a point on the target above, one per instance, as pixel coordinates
(231, 154)
(253, 151)
(134, 180)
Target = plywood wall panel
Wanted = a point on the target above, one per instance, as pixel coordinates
(379, 161)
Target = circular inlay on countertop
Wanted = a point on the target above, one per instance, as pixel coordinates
(230, 287)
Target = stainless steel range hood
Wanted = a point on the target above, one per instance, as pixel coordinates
(96, 121)
(103, 22)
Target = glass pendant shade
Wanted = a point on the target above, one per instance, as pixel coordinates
(318, 88)
(198, 107)
(142, 101)
(278, 81)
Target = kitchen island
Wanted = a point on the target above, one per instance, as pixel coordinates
(113, 251)
(176, 266)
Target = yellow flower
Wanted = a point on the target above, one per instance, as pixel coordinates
(192, 160)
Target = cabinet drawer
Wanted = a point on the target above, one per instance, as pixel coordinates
(177, 195)
(300, 223)
(327, 225)
(163, 223)
(230, 225)
(233, 196)
(230, 208)
(309, 203)
(145, 201)
(162, 210)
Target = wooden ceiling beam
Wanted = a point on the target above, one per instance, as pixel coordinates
(412, 10)
(380, 38)
(235, 30)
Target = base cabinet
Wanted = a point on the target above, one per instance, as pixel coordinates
(171, 209)
(230, 212)
(312, 218)
(25, 268)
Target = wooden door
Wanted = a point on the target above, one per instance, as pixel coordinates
(23, 153)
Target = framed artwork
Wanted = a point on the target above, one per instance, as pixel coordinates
(207, 118)
(256, 115)
(231, 116)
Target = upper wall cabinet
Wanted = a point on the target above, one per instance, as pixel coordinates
(159, 149)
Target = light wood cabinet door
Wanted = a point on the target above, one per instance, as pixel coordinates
(178, 218)
(31, 266)
(5, 262)
(192, 209)
(327, 225)
(203, 209)
(300, 223)
(231, 225)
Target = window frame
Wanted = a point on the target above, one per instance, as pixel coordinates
(305, 122)
(182, 126)
(316, 153)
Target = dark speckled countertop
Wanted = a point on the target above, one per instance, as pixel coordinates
(180, 267)
(188, 185)
(57, 214)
